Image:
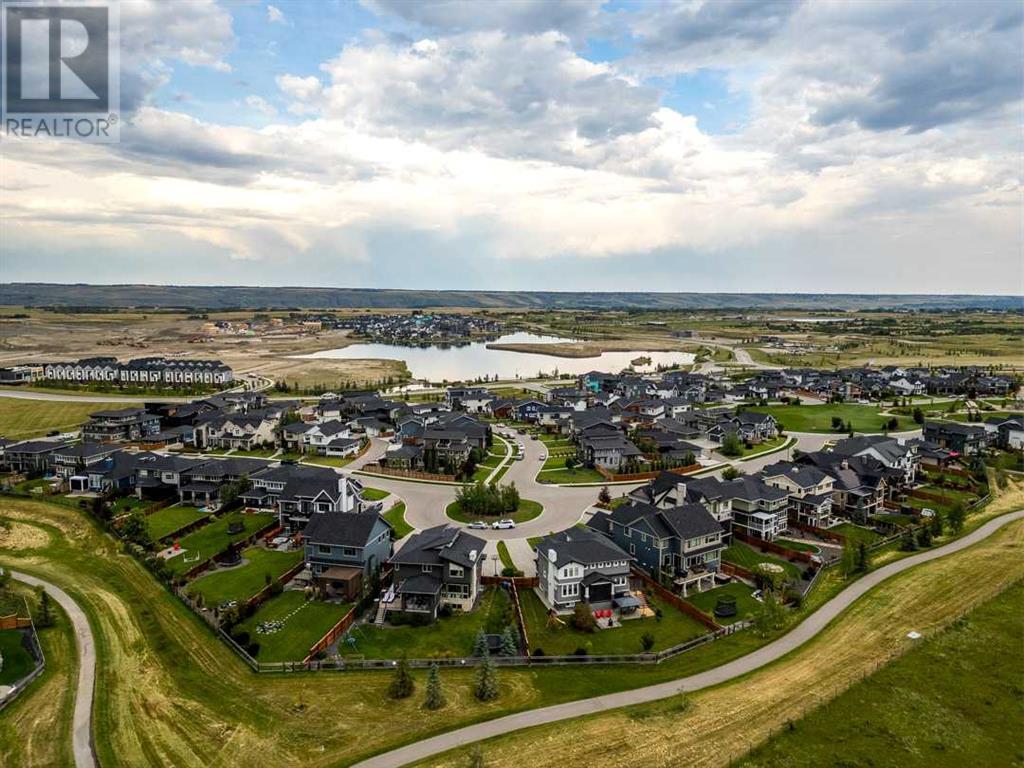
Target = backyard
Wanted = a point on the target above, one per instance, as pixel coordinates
(674, 627)
(18, 662)
(818, 418)
(745, 604)
(166, 521)
(856, 533)
(303, 621)
(747, 557)
(210, 540)
(243, 581)
(451, 636)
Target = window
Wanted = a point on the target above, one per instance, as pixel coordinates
(427, 568)
(348, 552)
(455, 570)
(632, 549)
(324, 549)
(570, 590)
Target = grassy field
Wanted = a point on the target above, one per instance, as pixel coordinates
(527, 511)
(212, 539)
(169, 694)
(375, 494)
(748, 557)
(818, 418)
(305, 622)
(243, 581)
(396, 516)
(947, 703)
(21, 419)
(505, 556)
(18, 662)
(673, 628)
(571, 477)
(447, 637)
(799, 546)
(745, 604)
(166, 521)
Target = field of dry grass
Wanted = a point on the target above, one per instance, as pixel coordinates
(21, 419)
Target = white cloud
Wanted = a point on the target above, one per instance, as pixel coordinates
(261, 105)
(276, 16)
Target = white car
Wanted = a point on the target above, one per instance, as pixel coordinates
(478, 525)
(498, 524)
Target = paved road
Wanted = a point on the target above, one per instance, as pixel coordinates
(81, 734)
(803, 632)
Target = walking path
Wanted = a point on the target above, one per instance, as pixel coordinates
(81, 734)
(775, 650)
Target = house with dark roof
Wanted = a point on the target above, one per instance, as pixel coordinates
(809, 488)
(759, 510)
(31, 456)
(582, 565)
(71, 459)
(114, 473)
(965, 439)
(297, 492)
(861, 483)
(680, 544)
(609, 451)
(898, 455)
(435, 567)
(344, 552)
(120, 426)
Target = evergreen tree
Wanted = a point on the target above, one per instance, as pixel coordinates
(605, 496)
(848, 560)
(486, 686)
(435, 696)
(956, 518)
(509, 644)
(936, 524)
(863, 556)
(402, 684)
(480, 644)
(45, 610)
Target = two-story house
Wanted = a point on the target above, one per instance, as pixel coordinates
(120, 426)
(759, 510)
(581, 565)
(810, 491)
(343, 552)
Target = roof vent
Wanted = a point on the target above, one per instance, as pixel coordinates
(472, 556)
(552, 555)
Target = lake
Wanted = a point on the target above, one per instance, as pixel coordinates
(475, 360)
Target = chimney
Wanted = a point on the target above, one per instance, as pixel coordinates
(680, 492)
(552, 555)
(844, 464)
(472, 556)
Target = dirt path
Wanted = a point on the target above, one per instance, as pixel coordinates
(805, 631)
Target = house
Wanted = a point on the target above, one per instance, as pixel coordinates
(297, 492)
(146, 371)
(966, 439)
(203, 483)
(159, 476)
(582, 565)
(898, 455)
(121, 425)
(344, 552)
(608, 451)
(681, 545)
(669, 490)
(115, 473)
(809, 488)
(1010, 434)
(861, 483)
(759, 510)
(239, 431)
(31, 457)
(435, 567)
(71, 459)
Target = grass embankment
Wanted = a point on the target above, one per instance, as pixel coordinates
(189, 701)
(166, 521)
(818, 418)
(243, 581)
(375, 494)
(22, 419)
(945, 704)
(715, 726)
(396, 517)
(35, 730)
(747, 557)
(527, 510)
(577, 476)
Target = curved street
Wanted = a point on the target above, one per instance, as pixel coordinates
(775, 650)
(81, 729)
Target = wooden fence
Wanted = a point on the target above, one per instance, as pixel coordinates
(333, 634)
(37, 655)
(821, 533)
(520, 582)
(260, 597)
(622, 477)
(204, 566)
(376, 469)
(14, 622)
(771, 546)
(676, 601)
(731, 569)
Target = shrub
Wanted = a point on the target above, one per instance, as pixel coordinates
(486, 685)
(538, 651)
(583, 618)
(402, 684)
(647, 641)
(435, 696)
(581, 651)
(253, 649)
(240, 636)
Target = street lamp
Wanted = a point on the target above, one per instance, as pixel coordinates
(495, 558)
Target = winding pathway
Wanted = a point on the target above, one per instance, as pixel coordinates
(775, 650)
(81, 734)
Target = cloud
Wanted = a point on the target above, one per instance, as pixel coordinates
(571, 17)
(261, 105)
(275, 15)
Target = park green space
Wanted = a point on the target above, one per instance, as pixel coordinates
(818, 418)
(241, 582)
(166, 521)
(527, 510)
(305, 622)
(577, 476)
(745, 604)
(22, 419)
(210, 540)
(674, 627)
(747, 557)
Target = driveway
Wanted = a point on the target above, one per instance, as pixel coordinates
(81, 734)
(775, 650)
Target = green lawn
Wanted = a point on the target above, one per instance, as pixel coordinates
(256, 453)
(505, 556)
(166, 521)
(305, 622)
(747, 557)
(527, 511)
(329, 461)
(396, 516)
(674, 627)
(22, 419)
(18, 662)
(555, 462)
(447, 637)
(856, 534)
(947, 703)
(799, 546)
(127, 504)
(375, 494)
(763, 447)
(243, 581)
(212, 539)
(818, 418)
(745, 604)
(575, 477)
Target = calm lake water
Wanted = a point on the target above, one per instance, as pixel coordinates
(475, 360)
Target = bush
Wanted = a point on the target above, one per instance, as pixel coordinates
(583, 618)
(444, 612)
(647, 641)
(253, 649)
(538, 651)
(241, 637)
(581, 651)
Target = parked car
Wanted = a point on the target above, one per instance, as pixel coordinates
(504, 524)
(543, 457)
(478, 525)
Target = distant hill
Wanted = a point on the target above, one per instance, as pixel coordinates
(215, 297)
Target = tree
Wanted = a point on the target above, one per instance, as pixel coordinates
(604, 496)
(924, 537)
(485, 687)
(848, 560)
(731, 473)
(907, 542)
(480, 644)
(435, 696)
(570, 463)
(863, 556)
(583, 617)
(918, 416)
(893, 424)
(956, 517)
(402, 684)
(647, 641)
(509, 642)
(770, 616)
(837, 424)
(45, 610)
(731, 445)
(134, 530)
(936, 524)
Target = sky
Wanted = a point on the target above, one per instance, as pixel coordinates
(731, 145)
